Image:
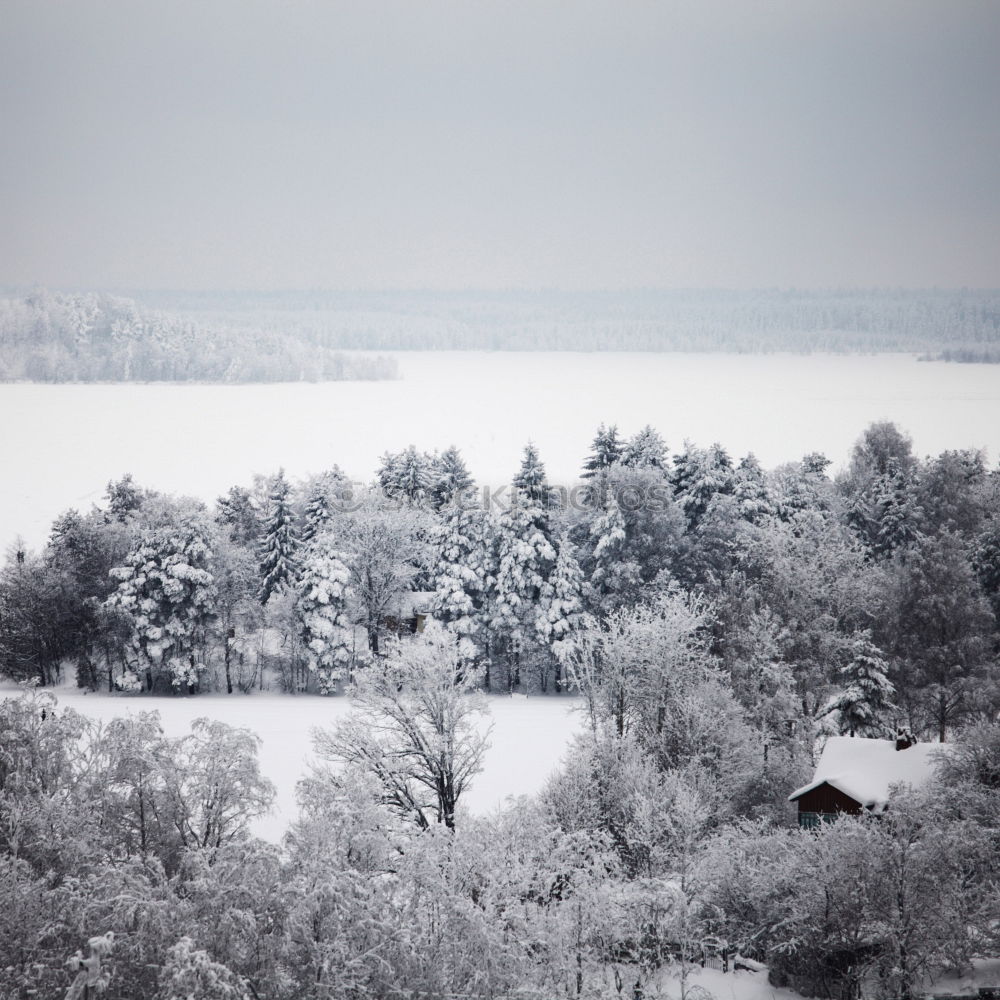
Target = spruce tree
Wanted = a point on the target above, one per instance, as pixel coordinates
(388, 474)
(896, 514)
(645, 450)
(754, 501)
(609, 533)
(406, 475)
(237, 512)
(814, 466)
(317, 512)
(124, 498)
(530, 484)
(278, 562)
(867, 694)
(860, 519)
(986, 563)
(451, 481)
(605, 451)
(561, 614)
(323, 590)
(698, 476)
(524, 558)
(614, 575)
(806, 488)
(413, 475)
(459, 575)
(321, 494)
(167, 591)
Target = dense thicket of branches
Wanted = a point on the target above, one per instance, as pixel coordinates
(963, 325)
(628, 870)
(103, 338)
(718, 621)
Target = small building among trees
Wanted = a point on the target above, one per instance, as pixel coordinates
(408, 613)
(855, 775)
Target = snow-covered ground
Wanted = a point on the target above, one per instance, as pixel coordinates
(745, 985)
(527, 742)
(718, 985)
(985, 972)
(62, 443)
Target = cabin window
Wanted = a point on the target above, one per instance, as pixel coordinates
(812, 820)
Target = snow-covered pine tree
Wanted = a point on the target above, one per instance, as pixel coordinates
(321, 493)
(867, 694)
(323, 591)
(406, 475)
(609, 533)
(451, 481)
(860, 518)
(316, 515)
(237, 511)
(896, 515)
(278, 561)
(531, 487)
(754, 500)
(561, 615)
(986, 562)
(605, 450)
(459, 574)
(124, 498)
(814, 466)
(698, 476)
(168, 594)
(414, 475)
(805, 487)
(645, 450)
(388, 473)
(885, 514)
(614, 574)
(524, 559)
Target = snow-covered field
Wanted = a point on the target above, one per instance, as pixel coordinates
(746, 985)
(527, 742)
(62, 443)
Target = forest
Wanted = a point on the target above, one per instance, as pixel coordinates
(955, 325)
(715, 622)
(47, 337)
(292, 337)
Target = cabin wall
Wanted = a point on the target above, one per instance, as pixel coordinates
(825, 801)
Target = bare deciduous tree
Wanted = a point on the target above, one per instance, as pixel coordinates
(414, 727)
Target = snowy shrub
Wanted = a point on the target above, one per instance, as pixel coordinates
(189, 974)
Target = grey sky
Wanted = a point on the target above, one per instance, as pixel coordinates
(246, 144)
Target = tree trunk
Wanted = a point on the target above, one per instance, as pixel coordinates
(230, 635)
(142, 818)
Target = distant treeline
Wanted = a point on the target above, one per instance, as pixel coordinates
(959, 325)
(101, 338)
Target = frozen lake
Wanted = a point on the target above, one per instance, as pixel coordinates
(62, 443)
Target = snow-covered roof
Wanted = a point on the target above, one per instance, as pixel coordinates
(412, 602)
(866, 769)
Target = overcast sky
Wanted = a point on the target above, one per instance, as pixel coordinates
(242, 144)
